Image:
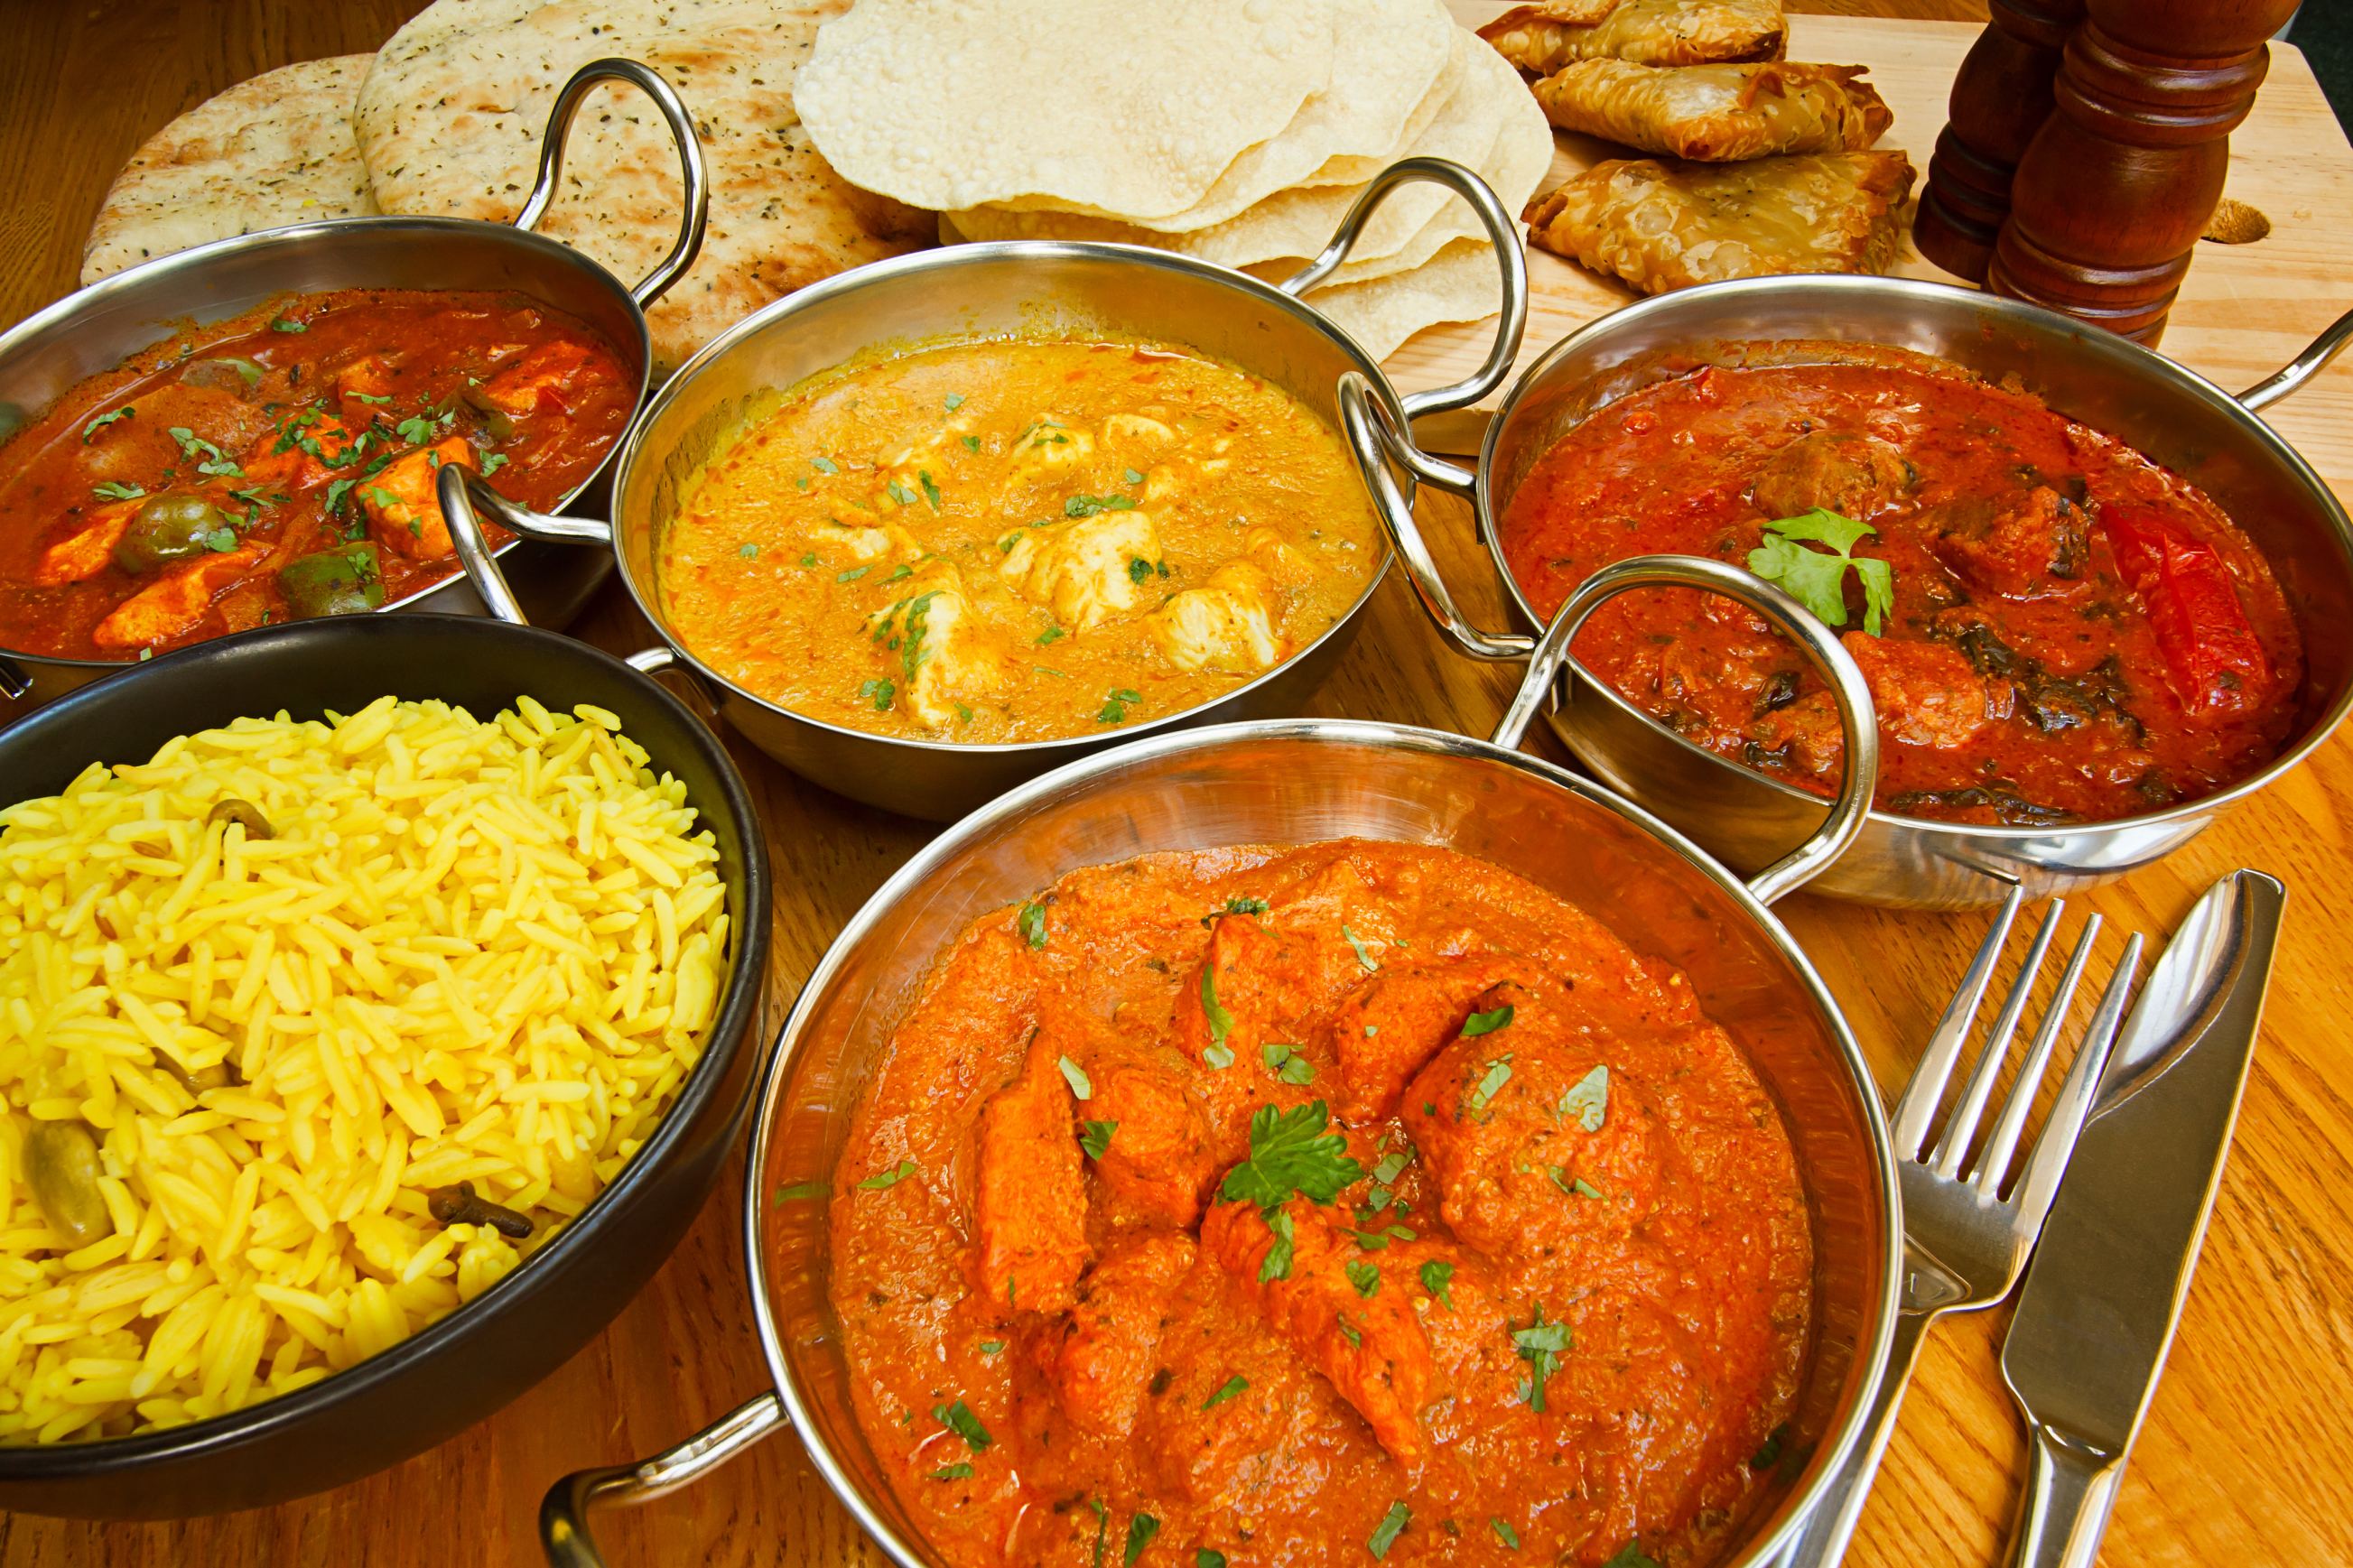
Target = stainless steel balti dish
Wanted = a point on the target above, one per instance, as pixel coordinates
(1031, 286)
(93, 330)
(2170, 414)
(1297, 780)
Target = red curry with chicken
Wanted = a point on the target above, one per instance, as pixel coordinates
(1343, 1203)
(2054, 628)
(282, 465)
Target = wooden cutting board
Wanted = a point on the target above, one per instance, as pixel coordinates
(2244, 309)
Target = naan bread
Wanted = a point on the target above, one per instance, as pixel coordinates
(1540, 40)
(450, 122)
(270, 152)
(1662, 225)
(1718, 114)
(1486, 123)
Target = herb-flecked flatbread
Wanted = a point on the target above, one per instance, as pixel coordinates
(273, 151)
(1540, 40)
(1717, 113)
(1662, 225)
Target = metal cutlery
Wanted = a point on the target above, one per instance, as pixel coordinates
(2100, 1304)
(1965, 1242)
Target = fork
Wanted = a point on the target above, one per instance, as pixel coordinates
(1965, 1244)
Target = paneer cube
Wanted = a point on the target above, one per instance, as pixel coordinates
(176, 602)
(1086, 572)
(1226, 624)
(883, 542)
(1046, 450)
(939, 653)
(403, 505)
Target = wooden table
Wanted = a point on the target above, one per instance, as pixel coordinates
(2243, 1457)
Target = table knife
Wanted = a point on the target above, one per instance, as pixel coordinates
(2105, 1291)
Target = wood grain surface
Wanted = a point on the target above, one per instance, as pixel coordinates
(2242, 1462)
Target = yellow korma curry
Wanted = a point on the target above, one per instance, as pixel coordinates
(1016, 540)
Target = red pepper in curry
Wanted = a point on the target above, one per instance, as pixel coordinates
(282, 465)
(2077, 635)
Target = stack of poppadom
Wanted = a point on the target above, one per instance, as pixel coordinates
(1239, 132)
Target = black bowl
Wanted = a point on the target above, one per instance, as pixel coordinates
(458, 1370)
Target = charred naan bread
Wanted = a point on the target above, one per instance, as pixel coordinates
(449, 121)
(1718, 114)
(1540, 40)
(1666, 224)
(269, 152)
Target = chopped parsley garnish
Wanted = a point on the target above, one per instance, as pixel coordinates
(1115, 708)
(1051, 634)
(972, 443)
(1350, 1331)
(194, 447)
(1498, 1074)
(825, 465)
(1102, 1526)
(1378, 1240)
(1631, 1555)
(1479, 1024)
(114, 490)
(960, 1420)
(1276, 1264)
(1095, 1137)
(1391, 1526)
(1364, 1276)
(1217, 1054)
(991, 1347)
(416, 429)
(1769, 1451)
(902, 570)
(1033, 923)
(1578, 1187)
(1245, 905)
(801, 1192)
(852, 574)
(890, 1178)
(367, 397)
(1087, 506)
(1139, 570)
(89, 431)
(220, 541)
(1437, 1279)
(810, 559)
(1133, 476)
(954, 400)
(1076, 1076)
(1225, 1391)
(1541, 1345)
(1287, 1064)
(1587, 1100)
(382, 496)
(1818, 579)
(748, 552)
(1506, 1535)
(1205, 1558)
(1291, 1152)
(900, 493)
(1140, 1532)
(1363, 956)
(1392, 1166)
(492, 462)
(879, 693)
(956, 1472)
(931, 490)
(288, 324)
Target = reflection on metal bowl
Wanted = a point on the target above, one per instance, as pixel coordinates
(92, 331)
(2167, 413)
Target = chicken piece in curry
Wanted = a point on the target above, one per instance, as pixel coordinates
(1016, 540)
(282, 465)
(2054, 628)
(1282, 1206)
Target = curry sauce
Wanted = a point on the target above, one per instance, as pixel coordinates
(1260, 1206)
(1016, 540)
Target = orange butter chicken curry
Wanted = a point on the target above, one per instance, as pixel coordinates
(1016, 540)
(282, 465)
(1350, 1202)
(2054, 628)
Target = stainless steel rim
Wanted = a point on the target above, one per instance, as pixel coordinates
(2182, 381)
(1845, 1431)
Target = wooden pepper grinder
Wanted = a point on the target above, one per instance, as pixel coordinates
(2001, 98)
(2116, 186)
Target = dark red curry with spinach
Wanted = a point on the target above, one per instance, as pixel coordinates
(282, 465)
(2054, 628)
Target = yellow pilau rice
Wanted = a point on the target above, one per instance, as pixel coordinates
(468, 952)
